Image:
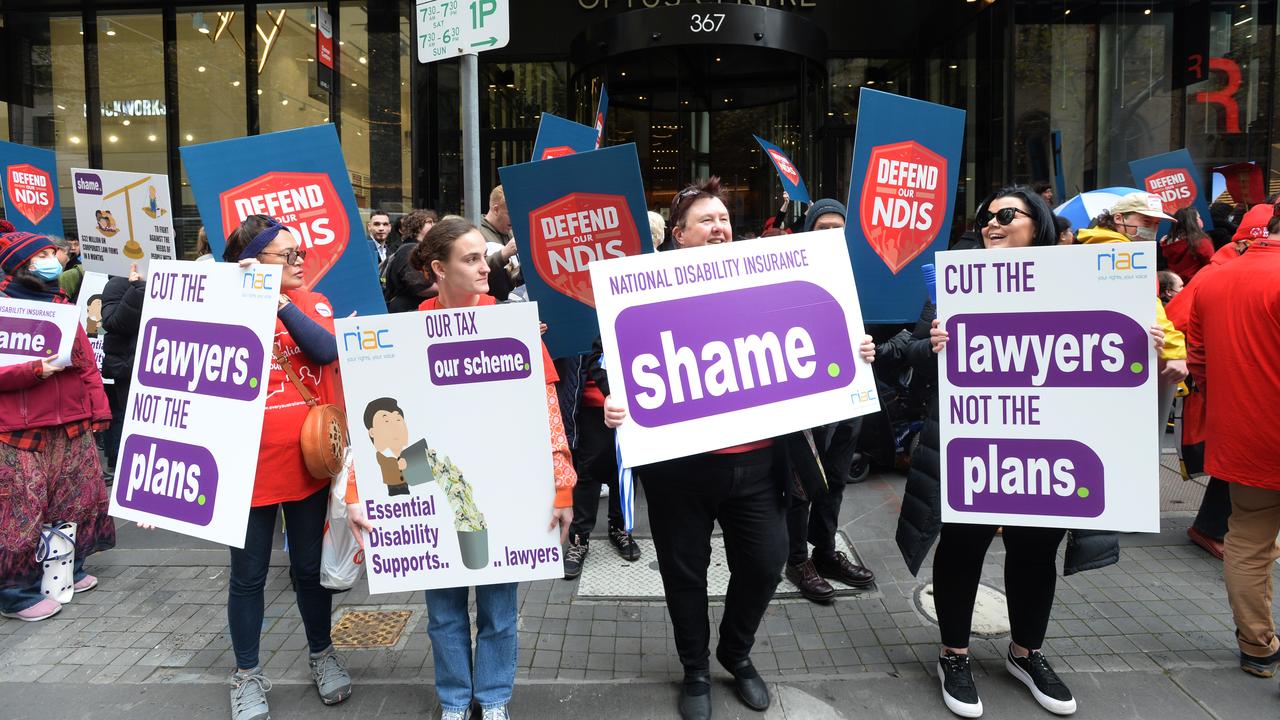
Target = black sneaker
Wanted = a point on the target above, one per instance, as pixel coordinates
(1045, 685)
(574, 556)
(1263, 667)
(958, 690)
(624, 544)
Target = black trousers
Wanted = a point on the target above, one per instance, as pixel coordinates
(686, 497)
(816, 520)
(1030, 579)
(118, 401)
(597, 464)
(1215, 506)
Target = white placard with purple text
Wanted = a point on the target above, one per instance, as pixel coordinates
(123, 219)
(455, 499)
(715, 346)
(1047, 387)
(36, 330)
(89, 306)
(193, 424)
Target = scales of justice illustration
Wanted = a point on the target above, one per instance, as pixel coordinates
(107, 224)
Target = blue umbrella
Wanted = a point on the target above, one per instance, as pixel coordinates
(1083, 208)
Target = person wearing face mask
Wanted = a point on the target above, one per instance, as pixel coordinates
(49, 466)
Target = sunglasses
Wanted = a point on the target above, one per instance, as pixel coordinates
(291, 256)
(1004, 216)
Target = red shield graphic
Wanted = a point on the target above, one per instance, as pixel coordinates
(784, 166)
(904, 201)
(307, 203)
(30, 191)
(557, 151)
(1175, 188)
(569, 233)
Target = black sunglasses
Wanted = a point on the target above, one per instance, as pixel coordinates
(1004, 216)
(291, 256)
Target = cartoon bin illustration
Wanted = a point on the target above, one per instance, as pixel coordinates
(473, 534)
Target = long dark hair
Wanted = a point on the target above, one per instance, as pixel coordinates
(1185, 224)
(1046, 230)
(438, 244)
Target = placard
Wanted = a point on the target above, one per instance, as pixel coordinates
(787, 172)
(1174, 178)
(36, 330)
(602, 112)
(449, 510)
(29, 177)
(721, 345)
(89, 308)
(1047, 387)
(193, 424)
(558, 137)
(123, 219)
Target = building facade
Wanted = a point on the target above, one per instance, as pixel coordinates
(1058, 90)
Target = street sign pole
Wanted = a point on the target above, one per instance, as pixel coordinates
(471, 136)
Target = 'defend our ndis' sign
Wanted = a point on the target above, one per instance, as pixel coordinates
(1173, 177)
(906, 161)
(1047, 388)
(299, 178)
(721, 345)
(567, 213)
(29, 179)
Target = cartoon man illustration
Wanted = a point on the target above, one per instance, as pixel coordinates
(390, 435)
(93, 315)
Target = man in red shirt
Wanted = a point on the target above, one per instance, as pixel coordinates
(1235, 314)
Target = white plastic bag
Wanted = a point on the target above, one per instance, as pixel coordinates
(341, 557)
(57, 553)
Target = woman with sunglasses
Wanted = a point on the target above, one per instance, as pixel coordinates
(304, 338)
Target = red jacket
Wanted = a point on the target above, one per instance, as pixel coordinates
(1186, 259)
(1236, 316)
(65, 397)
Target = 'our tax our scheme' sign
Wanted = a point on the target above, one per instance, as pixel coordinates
(1047, 387)
(698, 372)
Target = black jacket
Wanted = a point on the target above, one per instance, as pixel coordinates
(121, 316)
(404, 288)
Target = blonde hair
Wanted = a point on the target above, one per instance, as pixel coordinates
(497, 197)
(657, 228)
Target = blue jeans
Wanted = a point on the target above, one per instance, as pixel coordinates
(489, 678)
(17, 599)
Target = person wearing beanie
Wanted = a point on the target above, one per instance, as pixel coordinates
(6, 227)
(824, 215)
(49, 466)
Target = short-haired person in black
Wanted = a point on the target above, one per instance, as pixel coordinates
(743, 488)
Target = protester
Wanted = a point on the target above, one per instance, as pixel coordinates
(404, 288)
(504, 265)
(122, 300)
(203, 252)
(1169, 285)
(452, 255)
(1235, 320)
(1044, 189)
(380, 241)
(68, 254)
(816, 520)
(657, 230)
(49, 467)
(778, 222)
(304, 341)
(1223, 228)
(1063, 227)
(743, 488)
(1186, 248)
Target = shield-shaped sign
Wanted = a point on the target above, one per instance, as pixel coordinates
(307, 203)
(904, 201)
(30, 191)
(784, 166)
(557, 151)
(1175, 188)
(568, 234)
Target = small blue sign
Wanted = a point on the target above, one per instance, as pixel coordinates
(558, 137)
(787, 171)
(1174, 177)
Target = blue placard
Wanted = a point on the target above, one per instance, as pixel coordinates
(1172, 176)
(566, 213)
(558, 137)
(602, 112)
(29, 180)
(788, 173)
(300, 178)
(906, 160)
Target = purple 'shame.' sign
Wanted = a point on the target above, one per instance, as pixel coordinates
(726, 344)
(1048, 387)
(189, 447)
(31, 330)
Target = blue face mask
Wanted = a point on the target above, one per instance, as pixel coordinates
(47, 269)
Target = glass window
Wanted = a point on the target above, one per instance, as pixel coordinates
(211, 87)
(288, 96)
(1135, 106)
(131, 81)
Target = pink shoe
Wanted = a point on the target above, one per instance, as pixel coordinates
(85, 584)
(46, 608)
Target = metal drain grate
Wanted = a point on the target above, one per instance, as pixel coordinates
(370, 628)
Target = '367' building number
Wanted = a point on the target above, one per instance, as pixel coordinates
(707, 23)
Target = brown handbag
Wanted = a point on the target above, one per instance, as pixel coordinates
(324, 431)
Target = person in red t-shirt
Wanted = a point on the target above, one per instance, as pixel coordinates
(304, 337)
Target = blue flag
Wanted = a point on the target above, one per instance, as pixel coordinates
(602, 112)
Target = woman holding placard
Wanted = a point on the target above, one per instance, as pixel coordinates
(50, 473)
(305, 353)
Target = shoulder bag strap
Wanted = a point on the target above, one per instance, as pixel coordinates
(293, 376)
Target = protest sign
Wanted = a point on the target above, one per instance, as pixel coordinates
(1047, 387)
(906, 160)
(1173, 176)
(719, 345)
(123, 219)
(189, 446)
(449, 507)
(30, 179)
(602, 112)
(89, 308)
(299, 178)
(787, 172)
(34, 330)
(558, 137)
(567, 213)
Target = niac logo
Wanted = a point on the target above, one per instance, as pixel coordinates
(1174, 187)
(31, 191)
(168, 478)
(904, 201)
(201, 358)
(478, 361)
(29, 338)
(1094, 348)
(370, 340)
(572, 232)
(700, 356)
(1028, 477)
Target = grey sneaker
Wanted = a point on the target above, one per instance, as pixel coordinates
(249, 695)
(496, 713)
(454, 714)
(330, 675)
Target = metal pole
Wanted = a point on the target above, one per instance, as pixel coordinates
(471, 137)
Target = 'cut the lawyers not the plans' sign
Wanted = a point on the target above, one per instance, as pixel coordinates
(716, 346)
(1047, 387)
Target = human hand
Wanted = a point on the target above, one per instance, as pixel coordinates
(134, 275)
(248, 262)
(937, 337)
(564, 518)
(1157, 337)
(614, 412)
(1173, 371)
(47, 368)
(542, 328)
(509, 249)
(867, 349)
(356, 521)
